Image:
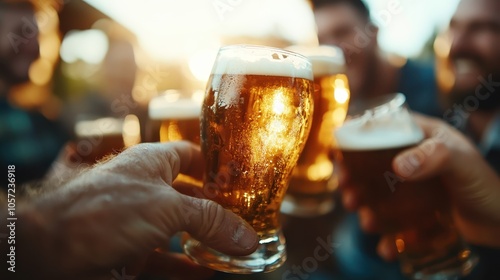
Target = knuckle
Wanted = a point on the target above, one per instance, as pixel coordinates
(144, 157)
(171, 160)
(141, 149)
(444, 151)
(428, 147)
(213, 217)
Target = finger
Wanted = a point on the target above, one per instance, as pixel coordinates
(157, 160)
(183, 157)
(386, 248)
(189, 187)
(215, 226)
(205, 220)
(430, 158)
(174, 266)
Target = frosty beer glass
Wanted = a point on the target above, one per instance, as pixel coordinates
(255, 119)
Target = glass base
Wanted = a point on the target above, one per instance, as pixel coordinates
(270, 255)
(307, 205)
(450, 269)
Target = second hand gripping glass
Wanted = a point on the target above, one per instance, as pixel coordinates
(416, 215)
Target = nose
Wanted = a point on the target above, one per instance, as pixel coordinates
(461, 44)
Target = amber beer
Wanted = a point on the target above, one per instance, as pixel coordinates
(313, 181)
(178, 117)
(416, 214)
(249, 140)
(256, 116)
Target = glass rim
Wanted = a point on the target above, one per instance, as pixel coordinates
(376, 105)
(264, 47)
(331, 51)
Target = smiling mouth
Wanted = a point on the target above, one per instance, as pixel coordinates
(466, 66)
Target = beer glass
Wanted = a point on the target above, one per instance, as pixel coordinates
(178, 115)
(174, 116)
(97, 138)
(256, 117)
(313, 181)
(416, 214)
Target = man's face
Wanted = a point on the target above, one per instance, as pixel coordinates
(475, 50)
(18, 44)
(343, 26)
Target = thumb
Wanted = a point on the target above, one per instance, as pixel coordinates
(216, 227)
(471, 181)
(424, 161)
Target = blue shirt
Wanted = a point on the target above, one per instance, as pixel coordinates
(29, 141)
(418, 83)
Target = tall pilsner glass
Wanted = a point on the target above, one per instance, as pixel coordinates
(416, 214)
(256, 117)
(176, 116)
(314, 181)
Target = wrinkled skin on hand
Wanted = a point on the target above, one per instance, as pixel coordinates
(120, 213)
(448, 156)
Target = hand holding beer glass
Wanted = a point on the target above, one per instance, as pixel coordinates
(417, 215)
(256, 117)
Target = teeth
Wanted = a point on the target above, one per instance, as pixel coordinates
(465, 66)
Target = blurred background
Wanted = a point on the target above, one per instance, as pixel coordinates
(142, 48)
(102, 62)
(108, 59)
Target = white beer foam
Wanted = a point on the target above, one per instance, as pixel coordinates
(99, 127)
(368, 133)
(326, 60)
(323, 65)
(162, 107)
(281, 63)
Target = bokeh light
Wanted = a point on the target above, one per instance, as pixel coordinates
(89, 45)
